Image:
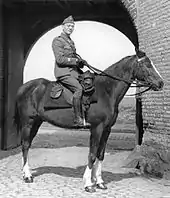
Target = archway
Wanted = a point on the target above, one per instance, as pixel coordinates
(27, 20)
(100, 44)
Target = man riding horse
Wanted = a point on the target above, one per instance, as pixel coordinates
(67, 67)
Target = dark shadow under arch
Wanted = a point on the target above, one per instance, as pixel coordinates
(39, 18)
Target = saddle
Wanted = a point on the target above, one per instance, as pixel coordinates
(56, 90)
(58, 96)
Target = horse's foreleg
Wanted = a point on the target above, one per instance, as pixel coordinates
(87, 177)
(25, 148)
(97, 170)
(94, 144)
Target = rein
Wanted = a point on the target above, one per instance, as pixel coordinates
(139, 93)
(102, 73)
(120, 79)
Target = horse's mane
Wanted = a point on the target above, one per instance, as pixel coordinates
(123, 63)
(117, 68)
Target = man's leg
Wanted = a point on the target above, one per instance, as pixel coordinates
(74, 85)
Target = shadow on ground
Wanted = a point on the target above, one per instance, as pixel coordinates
(15, 151)
(78, 173)
(62, 138)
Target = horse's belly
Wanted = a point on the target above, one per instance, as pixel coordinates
(65, 117)
(60, 117)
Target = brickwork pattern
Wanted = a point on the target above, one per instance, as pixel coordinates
(154, 39)
(130, 5)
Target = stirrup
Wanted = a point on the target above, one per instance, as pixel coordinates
(79, 122)
(86, 124)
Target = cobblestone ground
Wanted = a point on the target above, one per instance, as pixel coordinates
(58, 171)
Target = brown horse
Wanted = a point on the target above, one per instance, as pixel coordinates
(109, 91)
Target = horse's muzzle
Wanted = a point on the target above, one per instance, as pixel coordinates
(158, 86)
(161, 84)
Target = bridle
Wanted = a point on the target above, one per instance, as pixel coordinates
(139, 84)
(131, 83)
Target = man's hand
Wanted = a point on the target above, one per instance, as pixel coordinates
(81, 62)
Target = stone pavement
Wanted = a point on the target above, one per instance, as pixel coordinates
(58, 173)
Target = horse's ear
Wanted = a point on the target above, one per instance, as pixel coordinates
(136, 50)
(139, 53)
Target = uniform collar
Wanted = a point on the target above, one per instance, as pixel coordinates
(65, 36)
(68, 39)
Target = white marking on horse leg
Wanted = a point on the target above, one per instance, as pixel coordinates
(97, 172)
(87, 177)
(84, 122)
(156, 69)
(26, 170)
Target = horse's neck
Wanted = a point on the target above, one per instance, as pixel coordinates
(126, 72)
(114, 88)
(123, 69)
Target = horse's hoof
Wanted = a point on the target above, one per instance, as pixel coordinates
(90, 189)
(28, 179)
(101, 186)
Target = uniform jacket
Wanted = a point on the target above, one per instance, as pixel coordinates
(65, 56)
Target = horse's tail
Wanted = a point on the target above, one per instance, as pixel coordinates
(21, 98)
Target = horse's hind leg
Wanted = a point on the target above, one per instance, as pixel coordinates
(94, 144)
(28, 133)
(25, 141)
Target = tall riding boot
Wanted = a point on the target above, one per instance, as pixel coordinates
(77, 112)
(83, 115)
(78, 115)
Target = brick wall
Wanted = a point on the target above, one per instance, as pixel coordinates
(154, 39)
(130, 5)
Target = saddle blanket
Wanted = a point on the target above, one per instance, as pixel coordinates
(57, 97)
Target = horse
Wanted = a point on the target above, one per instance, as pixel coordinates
(110, 87)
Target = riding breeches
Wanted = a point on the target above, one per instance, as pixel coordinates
(72, 84)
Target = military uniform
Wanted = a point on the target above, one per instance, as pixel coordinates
(67, 69)
(66, 66)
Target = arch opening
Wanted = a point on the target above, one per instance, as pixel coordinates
(100, 44)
